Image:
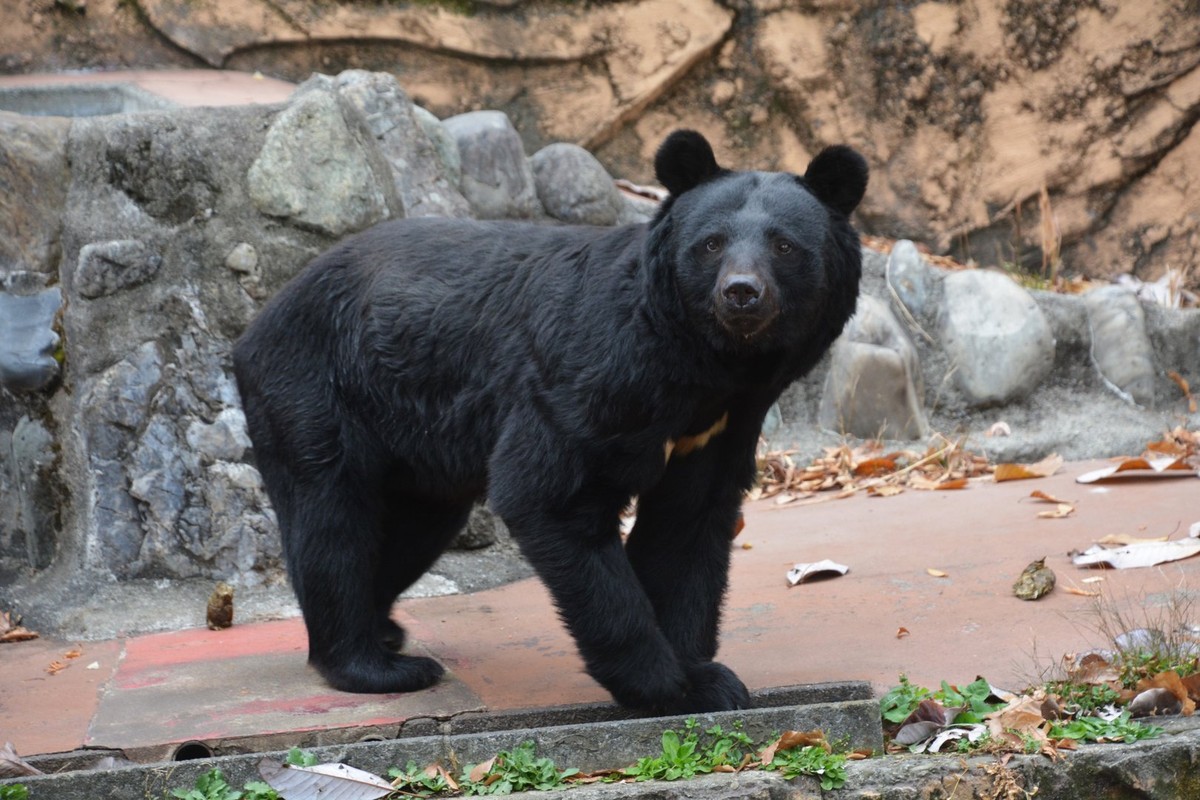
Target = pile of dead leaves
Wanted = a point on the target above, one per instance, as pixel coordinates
(11, 629)
(1180, 444)
(846, 470)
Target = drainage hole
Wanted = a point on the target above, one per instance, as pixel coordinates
(189, 751)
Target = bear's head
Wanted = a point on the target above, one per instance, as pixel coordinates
(759, 261)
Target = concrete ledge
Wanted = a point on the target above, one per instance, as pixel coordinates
(1167, 768)
(571, 736)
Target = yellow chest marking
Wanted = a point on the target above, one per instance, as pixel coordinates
(690, 444)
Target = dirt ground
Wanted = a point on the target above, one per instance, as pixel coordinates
(1055, 138)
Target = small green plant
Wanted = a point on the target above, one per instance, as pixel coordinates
(14, 791)
(965, 744)
(517, 771)
(1082, 698)
(829, 768)
(1136, 664)
(678, 758)
(973, 697)
(298, 758)
(1095, 729)
(902, 700)
(686, 754)
(417, 782)
(212, 786)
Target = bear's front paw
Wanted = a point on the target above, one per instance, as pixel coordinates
(382, 673)
(712, 687)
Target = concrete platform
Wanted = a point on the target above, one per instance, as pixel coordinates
(248, 688)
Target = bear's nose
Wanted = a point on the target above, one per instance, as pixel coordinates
(742, 291)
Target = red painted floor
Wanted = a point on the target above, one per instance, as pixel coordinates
(505, 648)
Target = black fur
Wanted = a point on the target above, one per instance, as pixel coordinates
(423, 364)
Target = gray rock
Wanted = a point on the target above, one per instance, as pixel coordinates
(34, 176)
(483, 529)
(423, 187)
(108, 267)
(28, 341)
(443, 143)
(243, 259)
(496, 177)
(224, 439)
(912, 279)
(314, 171)
(29, 504)
(873, 388)
(1121, 348)
(995, 336)
(573, 186)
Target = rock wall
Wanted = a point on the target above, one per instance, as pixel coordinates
(146, 242)
(145, 245)
(1003, 131)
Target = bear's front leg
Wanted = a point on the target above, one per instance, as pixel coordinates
(577, 553)
(680, 550)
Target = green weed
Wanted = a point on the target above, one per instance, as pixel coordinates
(14, 791)
(828, 768)
(902, 700)
(212, 786)
(1082, 698)
(1095, 729)
(417, 782)
(517, 771)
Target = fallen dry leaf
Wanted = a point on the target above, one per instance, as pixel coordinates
(1119, 539)
(1063, 510)
(1016, 472)
(1170, 681)
(1144, 554)
(323, 780)
(481, 769)
(901, 632)
(1155, 702)
(1166, 467)
(817, 569)
(886, 490)
(1038, 494)
(1182, 383)
(1081, 592)
(11, 629)
(56, 667)
(76, 653)
(1090, 668)
(13, 766)
(873, 467)
(937, 573)
(791, 740)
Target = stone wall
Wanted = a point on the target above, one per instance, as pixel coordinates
(141, 246)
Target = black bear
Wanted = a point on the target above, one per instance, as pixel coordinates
(559, 372)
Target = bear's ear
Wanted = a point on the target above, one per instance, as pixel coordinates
(684, 161)
(838, 177)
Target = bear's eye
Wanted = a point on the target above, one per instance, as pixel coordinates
(783, 247)
(712, 244)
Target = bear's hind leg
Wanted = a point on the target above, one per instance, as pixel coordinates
(335, 543)
(416, 532)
